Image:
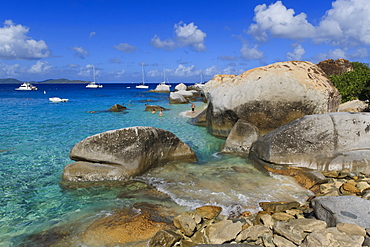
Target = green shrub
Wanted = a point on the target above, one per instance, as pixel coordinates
(354, 84)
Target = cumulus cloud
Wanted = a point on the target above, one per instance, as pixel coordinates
(80, 52)
(251, 53)
(297, 53)
(345, 24)
(186, 35)
(278, 21)
(332, 54)
(40, 67)
(124, 47)
(14, 43)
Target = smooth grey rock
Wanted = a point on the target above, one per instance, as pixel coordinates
(342, 209)
(180, 86)
(223, 231)
(331, 237)
(124, 153)
(333, 141)
(241, 137)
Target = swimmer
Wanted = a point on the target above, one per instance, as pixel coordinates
(160, 113)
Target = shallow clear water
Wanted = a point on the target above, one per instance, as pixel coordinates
(36, 137)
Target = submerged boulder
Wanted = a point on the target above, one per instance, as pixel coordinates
(325, 142)
(269, 96)
(124, 153)
(117, 108)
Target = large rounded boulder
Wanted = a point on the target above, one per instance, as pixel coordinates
(124, 153)
(269, 96)
(325, 142)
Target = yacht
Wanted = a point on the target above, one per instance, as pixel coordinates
(26, 86)
(93, 83)
(143, 79)
(57, 100)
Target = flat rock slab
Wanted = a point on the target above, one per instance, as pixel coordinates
(342, 209)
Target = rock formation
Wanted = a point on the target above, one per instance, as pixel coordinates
(324, 142)
(337, 67)
(269, 96)
(124, 153)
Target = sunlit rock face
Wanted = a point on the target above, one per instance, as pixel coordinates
(325, 142)
(269, 96)
(124, 153)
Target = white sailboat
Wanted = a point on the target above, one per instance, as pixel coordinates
(143, 79)
(200, 84)
(163, 86)
(26, 86)
(93, 83)
(165, 79)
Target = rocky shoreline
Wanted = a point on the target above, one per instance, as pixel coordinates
(314, 223)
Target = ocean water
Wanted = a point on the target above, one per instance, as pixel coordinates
(37, 135)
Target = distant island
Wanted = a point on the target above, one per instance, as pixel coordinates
(49, 81)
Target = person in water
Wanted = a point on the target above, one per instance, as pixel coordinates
(192, 107)
(153, 111)
(160, 113)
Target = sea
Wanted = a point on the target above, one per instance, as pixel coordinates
(37, 135)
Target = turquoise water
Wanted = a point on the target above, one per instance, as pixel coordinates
(37, 135)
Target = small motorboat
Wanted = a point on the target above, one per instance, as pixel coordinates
(57, 100)
(26, 86)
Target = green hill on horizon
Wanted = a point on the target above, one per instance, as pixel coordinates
(48, 81)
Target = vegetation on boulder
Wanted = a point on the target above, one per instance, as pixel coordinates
(353, 84)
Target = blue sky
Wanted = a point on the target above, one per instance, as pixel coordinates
(51, 39)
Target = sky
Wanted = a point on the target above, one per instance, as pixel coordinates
(52, 39)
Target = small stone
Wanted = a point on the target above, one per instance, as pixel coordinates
(278, 206)
(362, 185)
(282, 216)
(351, 229)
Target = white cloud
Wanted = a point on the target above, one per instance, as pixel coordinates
(14, 44)
(9, 70)
(297, 53)
(186, 35)
(92, 34)
(251, 53)
(346, 24)
(124, 47)
(80, 52)
(40, 67)
(278, 21)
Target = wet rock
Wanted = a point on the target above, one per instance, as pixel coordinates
(125, 226)
(223, 231)
(324, 142)
(208, 212)
(124, 153)
(241, 137)
(164, 238)
(154, 108)
(274, 207)
(342, 209)
(187, 223)
(117, 108)
(269, 96)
